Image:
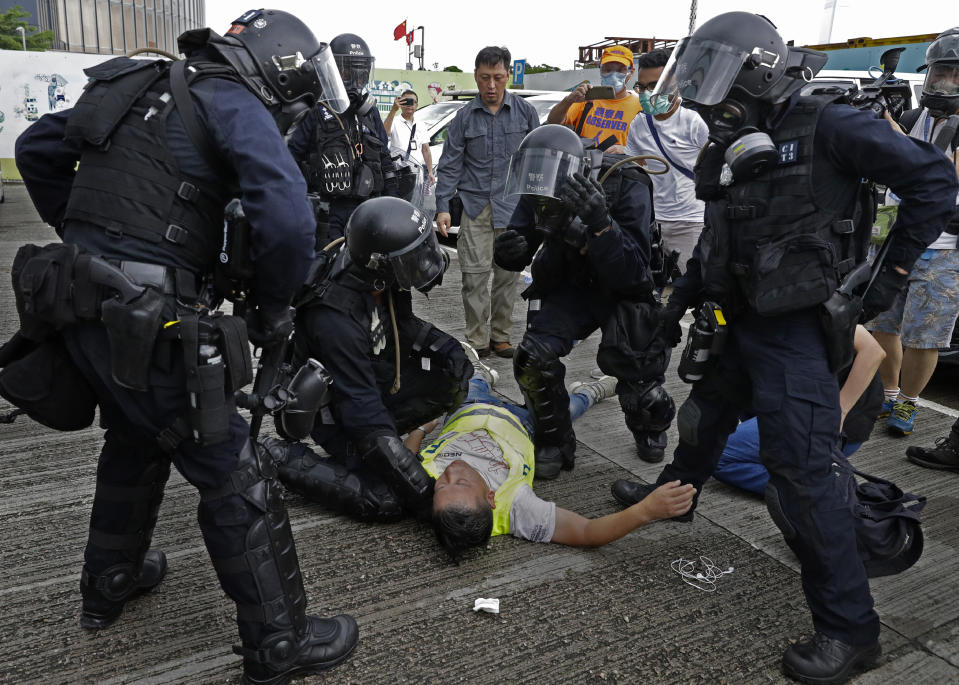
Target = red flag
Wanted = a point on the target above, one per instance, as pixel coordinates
(399, 31)
(409, 38)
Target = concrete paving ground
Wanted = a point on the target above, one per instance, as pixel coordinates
(611, 615)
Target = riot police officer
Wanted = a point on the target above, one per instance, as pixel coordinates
(345, 157)
(593, 271)
(391, 371)
(785, 224)
(161, 147)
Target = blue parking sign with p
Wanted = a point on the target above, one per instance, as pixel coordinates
(519, 69)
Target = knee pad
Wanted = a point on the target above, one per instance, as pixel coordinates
(687, 422)
(647, 405)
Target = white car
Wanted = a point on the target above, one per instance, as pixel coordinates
(437, 117)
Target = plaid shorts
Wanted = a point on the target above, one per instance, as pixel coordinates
(926, 311)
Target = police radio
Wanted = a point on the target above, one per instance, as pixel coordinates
(705, 342)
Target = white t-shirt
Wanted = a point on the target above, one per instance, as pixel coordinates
(926, 129)
(682, 135)
(400, 139)
(530, 517)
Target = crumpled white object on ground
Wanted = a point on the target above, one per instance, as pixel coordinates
(490, 605)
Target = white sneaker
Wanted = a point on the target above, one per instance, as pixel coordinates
(596, 390)
(488, 374)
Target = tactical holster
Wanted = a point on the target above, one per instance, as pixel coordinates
(132, 329)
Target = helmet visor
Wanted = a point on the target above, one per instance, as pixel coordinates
(333, 93)
(942, 79)
(540, 171)
(356, 70)
(420, 264)
(701, 71)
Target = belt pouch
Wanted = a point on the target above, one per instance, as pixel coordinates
(132, 329)
(209, 410)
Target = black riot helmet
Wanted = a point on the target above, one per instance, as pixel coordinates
(741, 50)
(735, 67)
(282, 63)
(940, 90)
(355, 63)
(393, 242)
(546, 157)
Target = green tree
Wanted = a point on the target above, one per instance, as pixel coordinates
(10, 38)
(453, 68)
(540, 68)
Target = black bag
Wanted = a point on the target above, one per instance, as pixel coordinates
(456, 210)
(48, 386)
(630, 349)
(888, 531)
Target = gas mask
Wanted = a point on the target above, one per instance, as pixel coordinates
(552, 216)
(734, 125)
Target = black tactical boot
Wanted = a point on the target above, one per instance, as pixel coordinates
(944, 456)
(651, 447)
(104, 595)
(827, 661)
(125, 508)
(247, 532)
(628, 493)
(551, 459)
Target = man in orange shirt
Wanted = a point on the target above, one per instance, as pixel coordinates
(600, 119)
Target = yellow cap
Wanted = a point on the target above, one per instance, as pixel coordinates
(617, 53)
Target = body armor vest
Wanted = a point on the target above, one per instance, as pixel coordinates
(774, 237)
(345, 158)
(128, 182)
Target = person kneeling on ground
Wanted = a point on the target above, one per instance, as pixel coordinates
(484, 466)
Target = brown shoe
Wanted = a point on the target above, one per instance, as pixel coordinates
(502, 349)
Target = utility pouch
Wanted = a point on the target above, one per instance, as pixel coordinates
(43, 285)
(234, 345)
(791, 274)
(206, 381)
(114, 86)
(132, 330)
(629, 349)
(48, 386)
(364, 181)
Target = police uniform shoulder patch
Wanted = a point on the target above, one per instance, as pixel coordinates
(788, 151)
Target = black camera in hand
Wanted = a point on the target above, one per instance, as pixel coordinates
(886, 93)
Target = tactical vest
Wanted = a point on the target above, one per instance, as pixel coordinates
(505, 429)
(787, 250)
(345, 158)
(128, 182)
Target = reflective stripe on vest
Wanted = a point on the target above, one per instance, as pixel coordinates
(507, 432)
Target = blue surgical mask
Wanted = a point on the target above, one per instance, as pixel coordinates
(658, 104)
(614, 79)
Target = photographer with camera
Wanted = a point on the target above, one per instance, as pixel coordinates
(603, 111)
(409, 143)
(785, 235)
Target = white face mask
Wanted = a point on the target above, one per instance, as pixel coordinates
(614, 79)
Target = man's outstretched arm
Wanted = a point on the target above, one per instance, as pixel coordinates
(668, 500)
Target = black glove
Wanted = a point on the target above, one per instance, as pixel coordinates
(708, 169)
(586, 198)
(399, 467)
(669, 329)
(511, 250)
(270, 326)
(882, 293)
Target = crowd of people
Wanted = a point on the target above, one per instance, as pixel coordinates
(715, 159)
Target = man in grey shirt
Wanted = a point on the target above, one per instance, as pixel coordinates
(475, 158)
